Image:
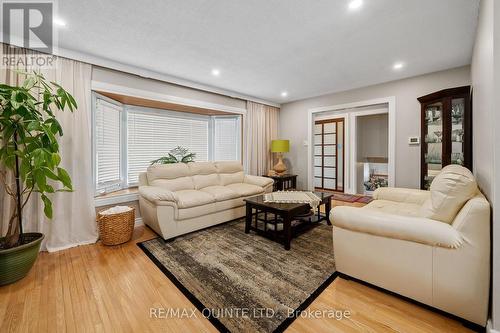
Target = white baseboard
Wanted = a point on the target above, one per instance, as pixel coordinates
(489, 328)
(138, 222)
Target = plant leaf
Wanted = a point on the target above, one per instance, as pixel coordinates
(64, 178)
(47, 209)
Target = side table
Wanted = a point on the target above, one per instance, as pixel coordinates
(283, 182)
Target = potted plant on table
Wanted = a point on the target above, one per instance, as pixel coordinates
(29, 163)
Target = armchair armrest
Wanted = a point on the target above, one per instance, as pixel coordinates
(259, 181)
(414, 229)
(156, 194)
(399, 194)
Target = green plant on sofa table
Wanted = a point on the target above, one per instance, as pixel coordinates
(30, 151)
(176, 155)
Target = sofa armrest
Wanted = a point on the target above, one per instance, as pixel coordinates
(259, 181)
(399, 194)
(414, 229)
(156, 194)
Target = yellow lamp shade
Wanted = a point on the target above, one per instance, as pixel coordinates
(280, 146)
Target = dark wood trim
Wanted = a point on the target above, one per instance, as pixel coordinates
(445, 97)
(446, 144)
(436, 96)
(323, 156)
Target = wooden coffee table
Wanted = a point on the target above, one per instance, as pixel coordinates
(293, 217)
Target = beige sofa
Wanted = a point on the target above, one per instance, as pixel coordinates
(431, 246)
(179, 198)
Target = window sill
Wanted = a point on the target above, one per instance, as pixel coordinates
(114, 198)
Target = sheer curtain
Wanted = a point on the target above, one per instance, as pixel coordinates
(261, 126)
(73, 222)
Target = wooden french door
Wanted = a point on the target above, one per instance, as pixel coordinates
(329, 154)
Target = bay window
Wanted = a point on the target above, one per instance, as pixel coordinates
(107, 138)
(127, 138)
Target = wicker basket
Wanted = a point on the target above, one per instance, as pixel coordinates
(116, 228)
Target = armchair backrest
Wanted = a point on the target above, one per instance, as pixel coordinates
(450, 190)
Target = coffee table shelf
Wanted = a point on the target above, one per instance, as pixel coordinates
(264, 218)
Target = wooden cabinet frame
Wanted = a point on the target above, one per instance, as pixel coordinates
(445, 97)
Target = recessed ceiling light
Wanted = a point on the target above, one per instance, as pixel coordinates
(59, 22)
(284, 94)
(398, 65)
(355, 4)
(215, 72)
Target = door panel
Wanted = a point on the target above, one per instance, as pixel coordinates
(329, 154)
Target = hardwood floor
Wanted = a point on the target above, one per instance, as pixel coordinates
(111, 289)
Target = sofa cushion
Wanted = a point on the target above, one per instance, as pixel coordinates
(221, 193)
(178, 184)
(230, 172)
(173, 177)
(394, 207)
(228, 166)
(231, 178)
(192, 198)
(201, 181)
(246, 189)
(168, 171)
(450, 190)
(202, 168)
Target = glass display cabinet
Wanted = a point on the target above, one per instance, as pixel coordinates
(446, 131)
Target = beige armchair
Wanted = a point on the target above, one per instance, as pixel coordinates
(431, 246)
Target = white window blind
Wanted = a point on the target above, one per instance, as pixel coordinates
(152, 134)
(107, 144)
(227, 138)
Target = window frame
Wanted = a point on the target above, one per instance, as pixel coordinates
(125, 109)
(238, 129)
(121, 185)
(162, 112)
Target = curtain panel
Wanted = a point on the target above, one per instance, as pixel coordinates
(261, 126)
(73, 221)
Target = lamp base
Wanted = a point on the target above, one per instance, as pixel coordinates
(280, 167)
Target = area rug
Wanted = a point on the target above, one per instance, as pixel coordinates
(365, 199)
(345, 197)
(245, 282)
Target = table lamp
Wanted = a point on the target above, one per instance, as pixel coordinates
(280, 147)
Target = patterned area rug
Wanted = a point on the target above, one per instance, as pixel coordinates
(365, 199)
(345, 197)
(352, 198)
(245, 282)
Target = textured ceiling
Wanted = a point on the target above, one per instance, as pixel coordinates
(264, 47)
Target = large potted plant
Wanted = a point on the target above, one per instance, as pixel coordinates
(29, 163)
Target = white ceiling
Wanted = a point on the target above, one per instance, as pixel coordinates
(264, 47)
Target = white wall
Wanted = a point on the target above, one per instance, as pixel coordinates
(293, 119)
(485, 73)
(372, 136)
(482, 85)
(496, 203)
